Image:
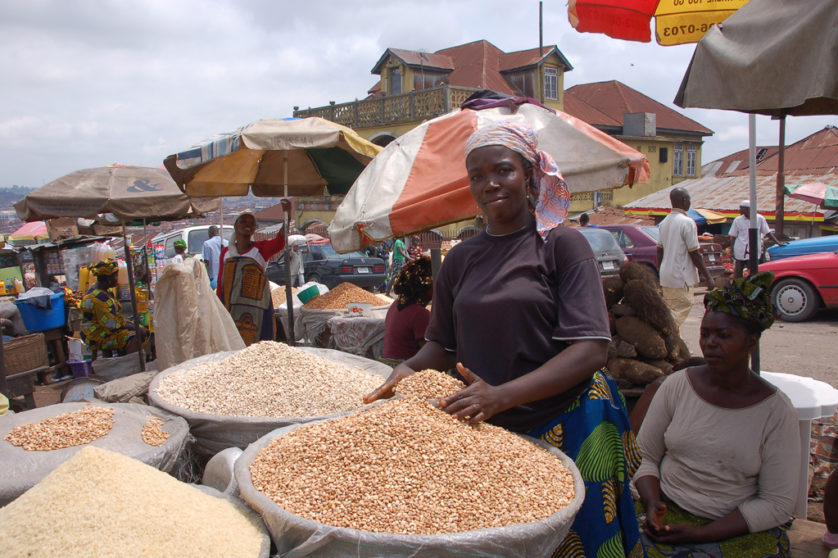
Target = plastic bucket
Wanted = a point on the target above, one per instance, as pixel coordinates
(40, 319)
(307, 294)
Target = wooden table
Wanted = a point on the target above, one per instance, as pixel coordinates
(54, 339)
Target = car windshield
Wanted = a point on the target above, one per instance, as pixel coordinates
(329, 252)
(600, 240)
(654, 232)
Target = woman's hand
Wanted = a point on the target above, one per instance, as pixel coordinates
(477, 402)
(385, 390)
(677, 533)
(655, 517)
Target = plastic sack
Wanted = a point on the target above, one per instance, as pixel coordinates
(295, 536)
(23, 469)
(189, 319)
(124, 389)
(214, 433)
(111, 368)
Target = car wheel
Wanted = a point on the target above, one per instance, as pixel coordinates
(794, 300)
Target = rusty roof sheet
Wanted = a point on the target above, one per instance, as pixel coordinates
(529, 57)
(615, 99)
(417, 58)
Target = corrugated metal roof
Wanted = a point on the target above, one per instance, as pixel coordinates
(726, 181)
(615, 99)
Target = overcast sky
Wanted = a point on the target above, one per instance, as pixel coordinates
(90, 83)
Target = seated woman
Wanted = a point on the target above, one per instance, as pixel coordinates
(717, 477)
(103, 326)
(407, 318)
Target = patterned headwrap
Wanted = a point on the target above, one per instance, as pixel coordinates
(748, 298)
(105, 267)
(553, 198)
(180, 243)
(413, 281)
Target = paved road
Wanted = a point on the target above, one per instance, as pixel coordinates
(808, 349)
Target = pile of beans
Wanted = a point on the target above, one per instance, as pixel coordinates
(75, 428)
(405, 467)
(278, 295)
(153, 433)
(429, 384)
(268, 379)
(112, 505)
(343, 294)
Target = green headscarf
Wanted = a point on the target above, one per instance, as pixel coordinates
(747, 298)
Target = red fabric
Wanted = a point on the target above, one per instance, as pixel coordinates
(621, 19)
(266, 247)
(403, 329)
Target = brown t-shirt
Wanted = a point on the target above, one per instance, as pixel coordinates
(507, 304)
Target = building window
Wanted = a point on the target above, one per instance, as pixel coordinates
(653, 149)
(395, 81)
(678, 159)
(692, 155)
(663, 155)
(551, 84)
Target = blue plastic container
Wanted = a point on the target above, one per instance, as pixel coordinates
(81, 368)
(38, 319)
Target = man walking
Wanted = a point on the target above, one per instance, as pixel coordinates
(210, 251)
(679, 257)
(740, 238)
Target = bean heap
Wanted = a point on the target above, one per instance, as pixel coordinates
(278, 295)
(429, 384)
(405, 467)
(153, 433)
(268, 379)
(75, 428)
(340, 296)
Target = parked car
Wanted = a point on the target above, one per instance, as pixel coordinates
(815, 245)
(803, 285)
(193, 236)
(608, 254)
(322, 264)
(640, 244)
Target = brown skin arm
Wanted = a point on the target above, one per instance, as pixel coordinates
(431, 355)
(698, 261)
(659, 256)
(480, 400)
(729, 526)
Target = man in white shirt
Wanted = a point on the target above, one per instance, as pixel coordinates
(740, 238)
(210, 251)
(679, 257)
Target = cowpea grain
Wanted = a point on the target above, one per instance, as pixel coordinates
(75, 428)
(110, 505)
(406, 467)
(429, 384)
(340, 296)
(153, 433)
(268, 379)
(278, 295)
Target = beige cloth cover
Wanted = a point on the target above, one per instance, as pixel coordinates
(189, 319)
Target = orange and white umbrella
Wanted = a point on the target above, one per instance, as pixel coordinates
(419, 180)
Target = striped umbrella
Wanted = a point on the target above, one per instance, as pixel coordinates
(419, 180)
(823, 195)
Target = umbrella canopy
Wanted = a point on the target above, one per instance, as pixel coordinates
(30, 233)
(705, 216)
(676, 22)
(823, 195)
(270, 157)
(775, 57)
(129, 193)
(419, 180)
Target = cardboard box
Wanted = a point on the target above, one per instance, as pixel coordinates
(63, 227)
(107, 230)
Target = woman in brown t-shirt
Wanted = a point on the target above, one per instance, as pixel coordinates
(519, 310)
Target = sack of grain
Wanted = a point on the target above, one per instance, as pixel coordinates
(447, 493)
(231, 402)
(22, 468)
(112, 505)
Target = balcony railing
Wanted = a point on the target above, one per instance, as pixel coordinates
(394, 109)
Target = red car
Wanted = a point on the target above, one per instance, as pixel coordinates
(803, 285)
(640, 244)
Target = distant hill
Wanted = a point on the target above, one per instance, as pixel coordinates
(9, 196)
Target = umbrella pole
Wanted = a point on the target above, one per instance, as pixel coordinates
(753, 242)
(129, 264)
(779, 200)
(289, 303)
(3, 387)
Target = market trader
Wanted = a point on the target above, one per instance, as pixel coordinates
(519, 309)
(211, 252)
(103, 326)
(242, 284)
